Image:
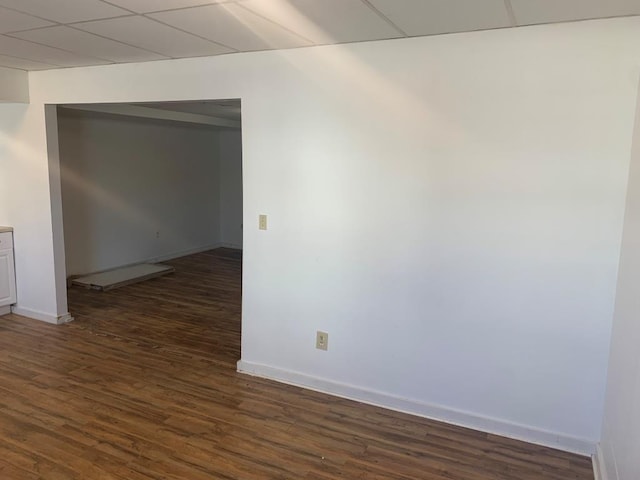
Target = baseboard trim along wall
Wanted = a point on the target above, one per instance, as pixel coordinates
(66, 318)
(598, 465)
(42, 316)
(503, 428)
(184, 253)
(235, 246)
(158, 259)
(600, 471)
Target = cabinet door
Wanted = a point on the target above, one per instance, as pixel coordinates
(7, 278)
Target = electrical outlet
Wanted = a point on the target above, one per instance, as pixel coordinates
(322, 340)
(262, 222)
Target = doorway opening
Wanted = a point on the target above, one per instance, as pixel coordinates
(155, 183)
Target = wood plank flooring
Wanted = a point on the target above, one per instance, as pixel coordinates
(142, 385)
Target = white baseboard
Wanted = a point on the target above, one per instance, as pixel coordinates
(4, 310)
(183, 253)
(161, 258)
(599, 472)
(234, 246)
(42, 316)
(474, 421)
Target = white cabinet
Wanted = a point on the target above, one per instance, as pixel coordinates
(7, 271)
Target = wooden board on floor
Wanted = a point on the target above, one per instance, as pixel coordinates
(120, 277)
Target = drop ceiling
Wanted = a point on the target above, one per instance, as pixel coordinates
(45, 34)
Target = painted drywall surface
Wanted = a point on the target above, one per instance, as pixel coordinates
(230, 152)
(448, 209)
(14, 85)
(25, 205)
(55, 194)
(620, 446)
(135, 190)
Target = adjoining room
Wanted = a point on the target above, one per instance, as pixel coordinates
(148, 185)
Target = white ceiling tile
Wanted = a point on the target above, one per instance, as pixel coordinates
(22, 64)
(85, 43)
(529, 12)
(12, 21)
(41, 53)
(146, 6)
(65, 11)
(232, 25)
(329, 21)
(148, 34)
(429, 17)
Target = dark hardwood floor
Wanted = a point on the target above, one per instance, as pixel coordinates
(142, 385)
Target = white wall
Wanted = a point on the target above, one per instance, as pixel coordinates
(449, 209)
(14, 85)
(135, 190)
(619, 455)
(25, 204)
(230, 145)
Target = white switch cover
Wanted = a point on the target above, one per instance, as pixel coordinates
(262, 222)
(322, 340)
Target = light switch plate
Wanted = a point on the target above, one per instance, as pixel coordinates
(322, 340)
